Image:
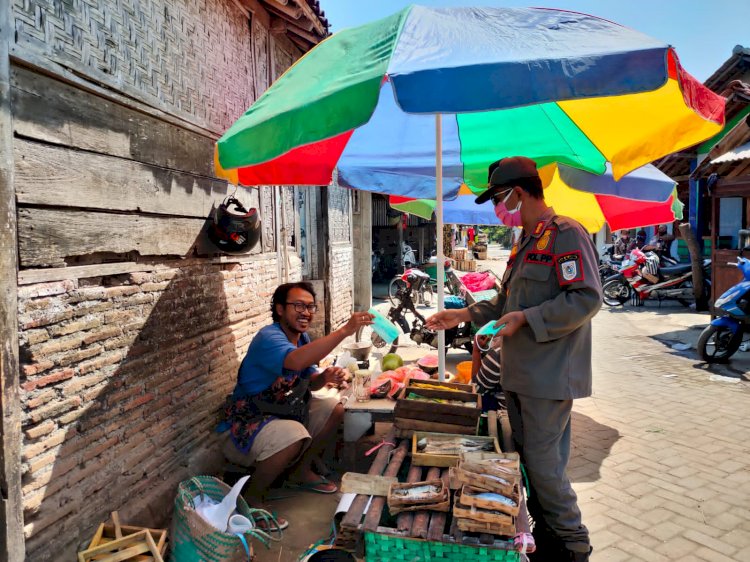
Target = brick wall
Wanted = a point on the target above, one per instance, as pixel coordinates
(121, 379)
(340, 260)
(340, 284)
(122, 376)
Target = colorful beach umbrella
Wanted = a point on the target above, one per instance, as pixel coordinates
(643, 197)
(553, 85)
(422, 101)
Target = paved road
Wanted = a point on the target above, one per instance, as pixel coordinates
(661, 451)
(661, 459)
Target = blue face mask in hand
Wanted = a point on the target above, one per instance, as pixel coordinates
(383, 327)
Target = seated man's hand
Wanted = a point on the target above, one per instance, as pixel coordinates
(357, 320)
(333, 375)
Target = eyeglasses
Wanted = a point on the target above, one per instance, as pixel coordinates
(498, 197)
(301, 307)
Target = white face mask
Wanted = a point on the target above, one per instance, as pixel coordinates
(518, 207)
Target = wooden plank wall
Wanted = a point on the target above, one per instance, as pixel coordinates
(97, 181)
(12, 546)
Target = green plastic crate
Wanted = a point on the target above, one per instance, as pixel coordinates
(386, 548)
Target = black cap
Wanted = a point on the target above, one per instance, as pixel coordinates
(504, 171)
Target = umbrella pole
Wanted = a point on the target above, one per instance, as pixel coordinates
(439, 228)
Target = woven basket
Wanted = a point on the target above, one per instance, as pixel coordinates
(385, 548)
(194, 539)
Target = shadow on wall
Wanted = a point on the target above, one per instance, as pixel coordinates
(122, 380)
(591, 444)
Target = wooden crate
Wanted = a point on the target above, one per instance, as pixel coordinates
(469, 498)
(132, 547)
(435, 385)
(434, 412)
(440, 501)
(406, 427)
(433, 459)
(481, 254)
(459, 254)
(106, 533)
(422, 534)
(473, 457)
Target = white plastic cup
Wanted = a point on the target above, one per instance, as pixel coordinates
(239, 524)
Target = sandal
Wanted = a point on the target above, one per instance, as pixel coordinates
(268, 526)
(322, 486)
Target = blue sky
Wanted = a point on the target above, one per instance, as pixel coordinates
(703, 32)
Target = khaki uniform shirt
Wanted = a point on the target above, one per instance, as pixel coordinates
(552, 276)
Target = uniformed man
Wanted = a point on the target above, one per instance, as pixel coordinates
(551, 290)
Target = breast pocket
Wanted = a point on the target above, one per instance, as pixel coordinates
(535, 286)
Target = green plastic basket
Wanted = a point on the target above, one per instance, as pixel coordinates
(387, 548)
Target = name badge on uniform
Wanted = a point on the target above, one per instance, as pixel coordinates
(569, 267)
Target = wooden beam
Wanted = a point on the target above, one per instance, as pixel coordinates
(12, 547)
(284, 8)
(310, 14)
(55, 237)
(258, 10)
(374, 512)
(47, 274)
(94, 181)
(353, 517)
(303, 44)
(297, 30)
(278, 26)
(301, 22)
(57, 112)
(732, 187)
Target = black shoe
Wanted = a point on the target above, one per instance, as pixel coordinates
(548, 549)
(578, 556)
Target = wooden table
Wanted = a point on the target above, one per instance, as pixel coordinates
(358, 418)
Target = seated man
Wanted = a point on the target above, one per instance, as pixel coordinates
(273, 421)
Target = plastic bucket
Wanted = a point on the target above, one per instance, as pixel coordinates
(463, 372)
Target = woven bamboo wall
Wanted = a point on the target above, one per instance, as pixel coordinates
(194, 58)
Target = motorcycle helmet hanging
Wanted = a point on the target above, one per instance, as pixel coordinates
(234, 229)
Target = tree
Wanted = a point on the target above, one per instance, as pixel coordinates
(502, 235)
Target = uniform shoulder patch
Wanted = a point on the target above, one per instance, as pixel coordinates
(538, 228)
(569, 267)
(546, 241)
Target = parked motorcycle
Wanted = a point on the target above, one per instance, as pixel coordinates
(675, 282)
(609, 262)
(427, 291)
(414, 281)
(722, 337)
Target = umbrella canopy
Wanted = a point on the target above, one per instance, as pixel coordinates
(644, 197)
(553, 85)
